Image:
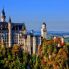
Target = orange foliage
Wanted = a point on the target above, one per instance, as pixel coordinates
(63, 53)
(15, 49)
(39, 50)
(49, 42)
(43, 61)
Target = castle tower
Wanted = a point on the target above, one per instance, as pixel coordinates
(3, 16)
(43, 30)
(9, 32)
(34, 44)
(29, 43)
(62, 41)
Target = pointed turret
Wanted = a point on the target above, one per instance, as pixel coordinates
(43, 30)
(3, 15)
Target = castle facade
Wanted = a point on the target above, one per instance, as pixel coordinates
(16, 33)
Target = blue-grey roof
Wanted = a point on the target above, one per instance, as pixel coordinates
(15, 26)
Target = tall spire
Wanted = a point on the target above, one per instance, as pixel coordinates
(3, 12)
(9, 19)
(3, 15)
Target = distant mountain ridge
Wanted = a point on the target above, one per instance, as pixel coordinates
(58, 33)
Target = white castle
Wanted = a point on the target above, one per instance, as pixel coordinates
(16, 33)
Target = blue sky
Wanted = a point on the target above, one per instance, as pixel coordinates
(33, 12)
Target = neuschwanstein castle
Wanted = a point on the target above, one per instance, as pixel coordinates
(16, 33)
